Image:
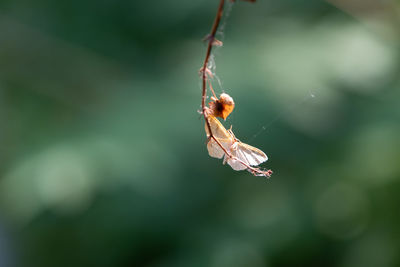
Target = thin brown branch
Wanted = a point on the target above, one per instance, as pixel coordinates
(210, 39)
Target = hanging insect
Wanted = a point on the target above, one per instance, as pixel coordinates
(222, 143)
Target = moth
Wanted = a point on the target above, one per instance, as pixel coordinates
(238, 155)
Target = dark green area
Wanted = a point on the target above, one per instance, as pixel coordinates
(103, 155)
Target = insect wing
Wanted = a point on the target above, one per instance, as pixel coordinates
(244, 153)
(221, 134)
(236, 164)
(217, 129)
(214, 150)
(250, 154)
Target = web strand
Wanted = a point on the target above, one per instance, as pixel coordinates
(279, 116)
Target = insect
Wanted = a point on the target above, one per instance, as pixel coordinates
(238, 155)
(222, 143)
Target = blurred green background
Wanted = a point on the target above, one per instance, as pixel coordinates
(103, 155)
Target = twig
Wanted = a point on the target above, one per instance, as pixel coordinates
(210, 39)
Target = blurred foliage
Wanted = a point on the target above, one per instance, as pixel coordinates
(103, 152)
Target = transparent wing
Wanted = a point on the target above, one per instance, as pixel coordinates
(217, 129)
(252, 155)
(214, 150)
(219, 133)
(235, 164)
(244, 153)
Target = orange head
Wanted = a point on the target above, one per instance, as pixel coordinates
(223, 106)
